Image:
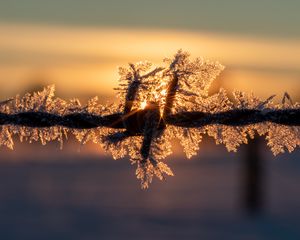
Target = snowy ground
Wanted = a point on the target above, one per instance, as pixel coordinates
(75, 196)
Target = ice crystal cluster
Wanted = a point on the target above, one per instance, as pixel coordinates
(179, 85)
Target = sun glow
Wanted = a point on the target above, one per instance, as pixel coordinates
(143, 104)
(163, 92)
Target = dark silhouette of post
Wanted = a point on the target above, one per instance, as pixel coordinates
(253, 178)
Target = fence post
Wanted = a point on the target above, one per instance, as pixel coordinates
(253, 183)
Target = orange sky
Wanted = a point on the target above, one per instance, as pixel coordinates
(82, 60)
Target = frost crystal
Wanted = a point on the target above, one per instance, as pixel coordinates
(149, 97)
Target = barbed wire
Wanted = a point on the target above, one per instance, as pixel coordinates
(239, 117)
(175, 104)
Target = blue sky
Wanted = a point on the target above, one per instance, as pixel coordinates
(266, 18)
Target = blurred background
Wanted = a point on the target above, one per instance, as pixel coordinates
(80, 193)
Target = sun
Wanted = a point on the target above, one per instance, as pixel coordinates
(143, 104)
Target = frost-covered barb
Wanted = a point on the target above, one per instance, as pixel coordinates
(157, 104)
